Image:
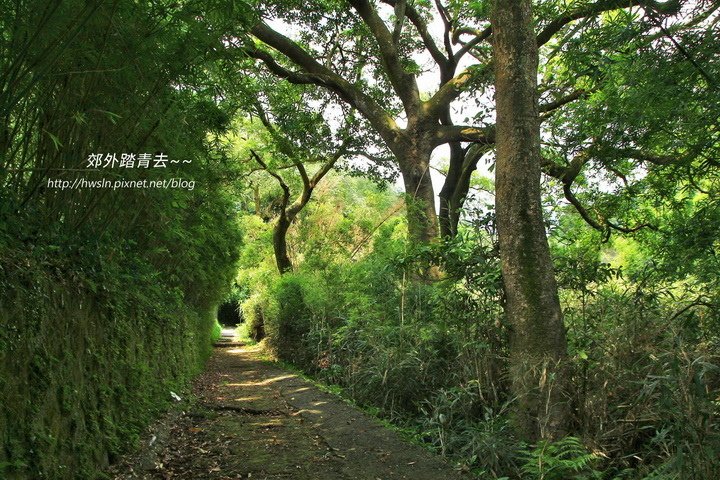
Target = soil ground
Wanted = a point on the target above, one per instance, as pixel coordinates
(253, 419)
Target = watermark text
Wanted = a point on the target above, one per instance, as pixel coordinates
(117, 184)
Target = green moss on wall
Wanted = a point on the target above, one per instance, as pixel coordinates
(81, 378)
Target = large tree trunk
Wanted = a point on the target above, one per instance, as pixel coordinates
(449, 209)
(538, 345)
(457, 186)
(414, 162)
(282, 259)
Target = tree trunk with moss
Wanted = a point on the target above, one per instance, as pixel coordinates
(282, 259)
(413, 154)
(538, 345)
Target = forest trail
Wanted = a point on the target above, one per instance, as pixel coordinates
(252, 419)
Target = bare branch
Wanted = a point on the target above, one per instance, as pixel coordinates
(399, 20)
(567, 176)
(683, 51)
(373, 158)
(447, 29)
(570, 197)
(393, 210)
(310, 184)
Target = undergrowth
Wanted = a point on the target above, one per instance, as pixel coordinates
(432, 358)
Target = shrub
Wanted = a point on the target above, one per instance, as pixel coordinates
(255, 309)
(565, 459)
(287, 327)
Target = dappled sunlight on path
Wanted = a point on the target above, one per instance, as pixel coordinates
(252, 419)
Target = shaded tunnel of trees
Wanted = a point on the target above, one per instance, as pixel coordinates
(494, 224)
(228, 313)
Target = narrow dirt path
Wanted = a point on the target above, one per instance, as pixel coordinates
(255, 420)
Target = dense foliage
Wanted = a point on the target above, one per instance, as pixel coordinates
(108, 294)
(433, 357)
(627, 109)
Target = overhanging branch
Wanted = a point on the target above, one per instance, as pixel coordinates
(315, 73)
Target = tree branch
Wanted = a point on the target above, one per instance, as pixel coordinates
(464, 133)
(421, 26)
(570, 197)
(400, 7)
(683, 51)
(393, 210)
(567, 176)
(647, 157)
(479, 37)
(548, 107)
(447, 29)
(283, 185)
(315, 73)
(587, 11)
(450, 90)
(327, 166)
(373, 158)
(404, 84)
(310, 184)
